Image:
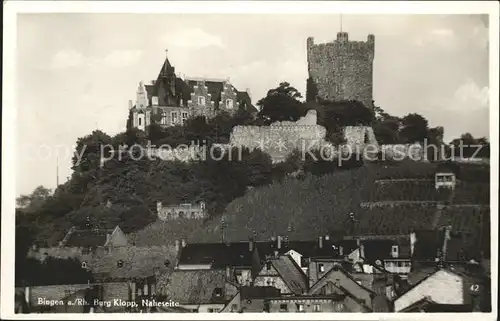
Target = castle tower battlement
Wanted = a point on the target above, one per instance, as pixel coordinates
(342, 69)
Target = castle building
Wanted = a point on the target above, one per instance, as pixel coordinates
(181, 211)
(170, 100)
(342, 69)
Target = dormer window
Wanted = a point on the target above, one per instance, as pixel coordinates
(321, 267)
(395, 251)
(201, 100)
(84, 265)
(268, 266)
(218, 292)
(229, 103)
(119, 263)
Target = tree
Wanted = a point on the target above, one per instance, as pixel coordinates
(471, 146)
(281, 104)
(414, 128)
(32, 202)
(387, 131)
(88, 151)
(380, 114)
(311, 90)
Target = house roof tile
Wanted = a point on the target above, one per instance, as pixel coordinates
(291, 273)
(217, 254)
(382, 249)
(258, 292)
(196, 287)
(87, 238)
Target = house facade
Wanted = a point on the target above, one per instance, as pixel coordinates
(171, 100)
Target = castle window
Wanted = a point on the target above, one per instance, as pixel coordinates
(163, 120)
(173, 120)
(321, 267)
(317, 308)
(300, 307)
(184, 117)
(181, 214)
(201, 100)
(283, 307)
(140, 123)
(229, 103)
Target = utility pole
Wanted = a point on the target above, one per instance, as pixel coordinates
(57, 171)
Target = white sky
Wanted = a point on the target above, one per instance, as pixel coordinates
(77, 72)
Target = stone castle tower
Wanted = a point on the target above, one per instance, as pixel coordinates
(342, 69)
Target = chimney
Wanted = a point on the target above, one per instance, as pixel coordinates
(249, 94)
(183, 242)
(276, 253)
(341, 251)
(250, 245)
(447, 236)
(279, 242)
(27, 295)
(177, 245)
(361, 250)
(228, 272)
(108, 236)
(130, 104)
(413, 240)
(320, 242)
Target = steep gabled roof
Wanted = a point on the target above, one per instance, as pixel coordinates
(132, 262)
(381, 249)
(258, 292)
(87, 238)
(197, 287)
(217, 254)
(428, 305)
(291, 273)
(336, 268)
(244, 99)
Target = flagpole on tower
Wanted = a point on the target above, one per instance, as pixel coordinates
(340, 22)
(165, 64)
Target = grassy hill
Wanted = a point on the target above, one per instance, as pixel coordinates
(313, 206)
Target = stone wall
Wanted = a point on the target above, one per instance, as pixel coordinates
(357, 138)
(342, 69)
(281, 138)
